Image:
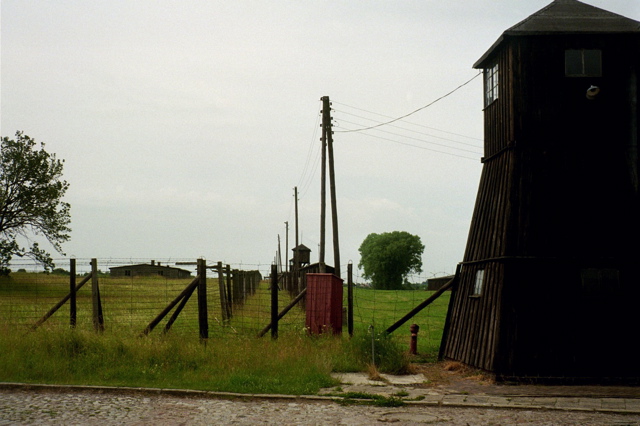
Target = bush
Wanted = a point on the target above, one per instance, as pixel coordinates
(388, 355)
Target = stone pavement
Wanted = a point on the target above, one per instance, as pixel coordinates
(53, 404)
(408, 387)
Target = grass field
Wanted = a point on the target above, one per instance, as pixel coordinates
(232, 359)
(129, 304)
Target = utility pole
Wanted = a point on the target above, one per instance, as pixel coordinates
(326, 118)
(279, 256)
(286, 248)
(295, 194)
(296, 265)
(326, 106)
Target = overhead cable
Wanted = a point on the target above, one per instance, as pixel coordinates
(404, 121)
(413, 112)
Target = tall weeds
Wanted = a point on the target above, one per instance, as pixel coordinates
(293, 364)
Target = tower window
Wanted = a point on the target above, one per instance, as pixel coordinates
(599, 282)
(491, 84)
(477, 287)
(583, 63)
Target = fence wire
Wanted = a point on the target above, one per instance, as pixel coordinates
(130, 303)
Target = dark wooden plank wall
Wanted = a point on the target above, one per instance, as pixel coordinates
(474, 320)
(474, 323)
(555, 199)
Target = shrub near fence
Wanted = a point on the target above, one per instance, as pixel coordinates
(130, 303)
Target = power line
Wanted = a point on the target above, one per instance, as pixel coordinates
(422, 140)
(408, 130)
(413, 112)
(422, 147)
(404, 121)
(307, 183)
(311, 150)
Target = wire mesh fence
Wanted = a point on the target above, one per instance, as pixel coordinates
(130, 301)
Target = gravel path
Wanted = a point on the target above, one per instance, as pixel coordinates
(95, 408)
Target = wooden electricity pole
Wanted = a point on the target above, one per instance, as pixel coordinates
(295, 252)
(286, 249)
(326, 117)
(295, 194)
(326, 126)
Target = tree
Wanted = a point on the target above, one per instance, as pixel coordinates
(388, 258)
(31, 191)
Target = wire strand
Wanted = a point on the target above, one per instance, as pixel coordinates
(476, 151)
(474, 145)
(413, 112)
(404, 121)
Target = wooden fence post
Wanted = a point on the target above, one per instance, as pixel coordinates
(98, 319)
(229, 293)
(223, 293)
(274, 301)
(423, 305)
(72, 293)
(203, 322)
(60, 303)
(183, 297)
(350, 298)
(238, 287)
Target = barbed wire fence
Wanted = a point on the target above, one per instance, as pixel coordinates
(236, 305)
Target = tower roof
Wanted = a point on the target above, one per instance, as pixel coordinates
(567, 17)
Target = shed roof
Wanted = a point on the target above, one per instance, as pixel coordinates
(567, 17)
(149, 266)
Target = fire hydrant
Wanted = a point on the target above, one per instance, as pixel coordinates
(413, 347)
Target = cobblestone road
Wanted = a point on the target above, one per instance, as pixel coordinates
(95, 408)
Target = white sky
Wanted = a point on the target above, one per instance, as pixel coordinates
(185, 125)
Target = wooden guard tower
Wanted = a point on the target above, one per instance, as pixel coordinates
(550, 284)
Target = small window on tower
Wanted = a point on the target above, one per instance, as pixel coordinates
(583, 63)
(491, 84)
(477, 287)
(598, 283)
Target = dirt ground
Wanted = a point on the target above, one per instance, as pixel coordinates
(452, 377)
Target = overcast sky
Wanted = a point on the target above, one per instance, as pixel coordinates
(185, 125)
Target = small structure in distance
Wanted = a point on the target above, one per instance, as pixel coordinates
(149, 269)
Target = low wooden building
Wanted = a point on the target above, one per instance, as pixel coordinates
(550, 281)
(434, 284)
(149, 269)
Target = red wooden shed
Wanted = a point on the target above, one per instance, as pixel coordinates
(324, 303)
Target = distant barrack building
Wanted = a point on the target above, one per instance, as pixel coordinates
(434, 284)
(149, 269)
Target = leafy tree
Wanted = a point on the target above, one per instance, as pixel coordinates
(388, 258)
(31, 191)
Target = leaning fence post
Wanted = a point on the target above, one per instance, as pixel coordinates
(274, 301)
(202, 299)
(98, 319)
(72, 293)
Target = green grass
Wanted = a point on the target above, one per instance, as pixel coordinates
(290, 365)
(363, 398)
(129, 304)
(382, 308)
(233, 359)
